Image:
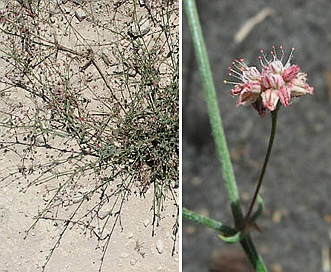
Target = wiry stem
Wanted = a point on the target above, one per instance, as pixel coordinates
(264, 167)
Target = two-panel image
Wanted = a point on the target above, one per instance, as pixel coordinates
(164, 135)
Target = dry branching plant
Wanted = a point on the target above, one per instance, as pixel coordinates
(89, 107)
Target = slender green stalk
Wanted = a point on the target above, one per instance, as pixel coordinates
(265, 164)
(250, 250)
(218, 132)
(209, 223)
(213, 110)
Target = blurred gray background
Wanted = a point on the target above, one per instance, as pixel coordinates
(297, 185)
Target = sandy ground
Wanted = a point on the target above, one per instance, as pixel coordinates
(296, 190)
(132, 246)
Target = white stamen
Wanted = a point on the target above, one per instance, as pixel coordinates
(290, 57)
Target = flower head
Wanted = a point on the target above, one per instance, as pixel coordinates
(276, 82)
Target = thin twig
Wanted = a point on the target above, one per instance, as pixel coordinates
(106, 81)
(251, 23)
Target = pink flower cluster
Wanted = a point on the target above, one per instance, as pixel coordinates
(277, 82)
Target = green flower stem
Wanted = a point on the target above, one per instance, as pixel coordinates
(213, 110)
(250, 250)
(265, 164)
(209, 223)
(218, 132)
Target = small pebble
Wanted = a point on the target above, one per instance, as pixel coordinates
(124, 255)
(104, 55)
(78, 2)
(103, 213)
(40, 140)
(159, 246)
(140, 28)
(146, 222)
(66, 10)
(80, 14)
(77, 198)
